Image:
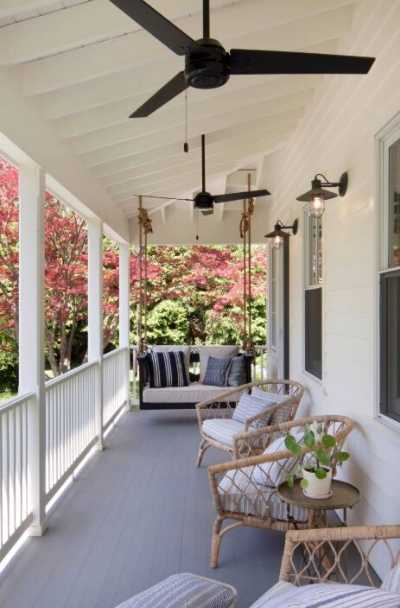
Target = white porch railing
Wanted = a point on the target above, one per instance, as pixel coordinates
(115, 383)
(70, 423)
(72, 408)
(15, 491)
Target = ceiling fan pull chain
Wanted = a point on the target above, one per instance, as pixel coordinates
(186, 144)
(197, 216)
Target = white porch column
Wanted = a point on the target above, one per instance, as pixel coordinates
(31, 330)
(124, 308)
(95, 314)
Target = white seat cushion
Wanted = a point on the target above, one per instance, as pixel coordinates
(222, 429)
(194, 393)
(185, 589)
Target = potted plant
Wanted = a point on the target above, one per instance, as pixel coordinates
(318, 464)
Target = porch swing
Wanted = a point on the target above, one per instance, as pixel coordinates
(153, 397)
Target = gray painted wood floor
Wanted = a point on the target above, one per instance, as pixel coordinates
(139, 512)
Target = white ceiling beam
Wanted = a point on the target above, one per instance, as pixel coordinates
(139, 48)
(79, 25)
(262, 113)
(140, 83)
(254, 130)
(149, 183)
(103, 120)
(218, 115)
(168, 182)
(243, 145)
(190, 184)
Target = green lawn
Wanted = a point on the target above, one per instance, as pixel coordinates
(6, 395)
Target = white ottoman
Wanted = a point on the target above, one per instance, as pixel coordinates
(185, 591)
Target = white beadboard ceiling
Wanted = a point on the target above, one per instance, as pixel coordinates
(83, 65)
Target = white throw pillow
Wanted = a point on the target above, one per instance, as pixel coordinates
(269, 397)
(249, 406)
(275, 473)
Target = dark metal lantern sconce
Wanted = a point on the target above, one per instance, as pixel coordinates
(317, 196)
(279, 235)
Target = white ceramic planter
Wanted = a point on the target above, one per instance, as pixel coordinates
(317, 488)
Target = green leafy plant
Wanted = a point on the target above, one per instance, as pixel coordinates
(323, 453)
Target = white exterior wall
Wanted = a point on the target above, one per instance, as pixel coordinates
(338, 134)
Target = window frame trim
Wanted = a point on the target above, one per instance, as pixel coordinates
(384, 138)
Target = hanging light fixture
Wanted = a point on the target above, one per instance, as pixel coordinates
(279, 235)
(317, 196)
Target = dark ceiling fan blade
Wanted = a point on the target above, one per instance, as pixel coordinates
(176, 85)
(239, 196)
(244, 61)
(164, 198)
(155, 23)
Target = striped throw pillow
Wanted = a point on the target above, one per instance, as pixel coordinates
(337, 595)
(217, 371)
(181, 590)
(167, 369)
(391, 582)
(249, 406)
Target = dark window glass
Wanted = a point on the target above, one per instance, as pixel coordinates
(390, 344)
(313, 332)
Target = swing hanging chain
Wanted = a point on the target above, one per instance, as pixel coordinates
(245, 234)
(145, 228)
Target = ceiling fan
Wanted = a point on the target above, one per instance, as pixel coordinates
(204, 201)
(208, 65)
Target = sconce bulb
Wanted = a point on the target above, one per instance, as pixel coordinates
(317, 206)
(277, 242)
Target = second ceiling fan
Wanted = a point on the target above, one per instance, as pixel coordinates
(203, 200)
(208, 65)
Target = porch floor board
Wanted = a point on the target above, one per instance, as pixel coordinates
(138, 512)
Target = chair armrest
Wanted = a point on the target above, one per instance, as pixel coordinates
(334, 544)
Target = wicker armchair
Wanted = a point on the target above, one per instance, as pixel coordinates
(347, 553)
(245, 490)
(249, 440)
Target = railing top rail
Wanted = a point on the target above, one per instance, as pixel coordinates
(15, 402)
(115, 352)
(73, 372)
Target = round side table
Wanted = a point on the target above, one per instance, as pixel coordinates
(344, 496)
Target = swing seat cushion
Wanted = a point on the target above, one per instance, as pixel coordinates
(195, 392)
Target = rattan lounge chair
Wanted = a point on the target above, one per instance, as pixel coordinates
(242, 440)
(245, 490)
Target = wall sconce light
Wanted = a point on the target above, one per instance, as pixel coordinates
(317, 196)
(279, 235)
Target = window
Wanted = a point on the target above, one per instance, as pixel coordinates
(394, 205)
(389, 284)
(313, 297)
(390, 344)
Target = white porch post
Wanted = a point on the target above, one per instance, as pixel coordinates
(124, 309)
(31, 330)
(95, 314)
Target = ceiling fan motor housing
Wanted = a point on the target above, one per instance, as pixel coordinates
(203, 201)
(207, 65)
